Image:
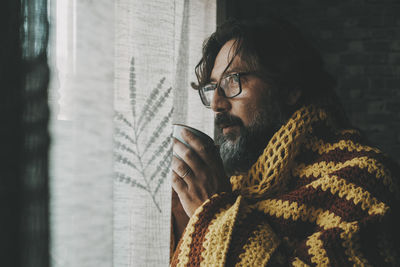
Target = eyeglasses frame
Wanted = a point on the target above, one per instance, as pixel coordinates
(217, 86)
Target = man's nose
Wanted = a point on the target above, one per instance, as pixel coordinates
(219, 102)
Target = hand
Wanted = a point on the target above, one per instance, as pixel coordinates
(199, 173)
(179, 219)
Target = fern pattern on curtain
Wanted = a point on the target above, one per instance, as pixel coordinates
(158, 44)
(121, 76)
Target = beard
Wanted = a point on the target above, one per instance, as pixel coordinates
(240, 151)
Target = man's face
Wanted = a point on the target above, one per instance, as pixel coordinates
(247, 121)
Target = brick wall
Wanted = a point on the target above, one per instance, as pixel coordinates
(360, 41)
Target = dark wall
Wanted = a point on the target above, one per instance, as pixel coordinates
(24, 140)
(360, 41)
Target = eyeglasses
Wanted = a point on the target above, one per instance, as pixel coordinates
(230, 85)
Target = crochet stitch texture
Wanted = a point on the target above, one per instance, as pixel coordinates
(317, 196)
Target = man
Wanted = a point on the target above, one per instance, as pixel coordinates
(304, 189)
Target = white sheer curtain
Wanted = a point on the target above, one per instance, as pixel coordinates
(81, 126)
(157, 45)
(121, 76)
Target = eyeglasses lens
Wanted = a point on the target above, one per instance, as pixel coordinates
(230, 86)
(207, 94)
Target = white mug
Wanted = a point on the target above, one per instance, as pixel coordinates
(177, 134)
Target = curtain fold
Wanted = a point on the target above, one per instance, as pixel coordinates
(121, 76)
(81, 125)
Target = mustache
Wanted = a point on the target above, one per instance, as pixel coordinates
(222, 119)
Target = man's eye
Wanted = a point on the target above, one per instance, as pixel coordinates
(243, 77)
(231, 82)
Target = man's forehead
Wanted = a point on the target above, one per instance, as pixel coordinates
(221, 63)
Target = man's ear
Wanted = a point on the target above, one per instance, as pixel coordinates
(293, 97)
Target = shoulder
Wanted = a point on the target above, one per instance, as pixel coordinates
(344, 163)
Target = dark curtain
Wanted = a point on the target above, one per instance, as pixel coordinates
(24, 138)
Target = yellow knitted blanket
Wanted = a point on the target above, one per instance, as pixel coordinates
(317, 196)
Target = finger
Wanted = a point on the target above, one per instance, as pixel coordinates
(181, 169)
(178, 184)
(206, 150)
(189, 156)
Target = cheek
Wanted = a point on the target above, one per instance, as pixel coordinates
(246, 109)
(251, 101)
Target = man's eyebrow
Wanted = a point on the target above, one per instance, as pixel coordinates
(229, 71)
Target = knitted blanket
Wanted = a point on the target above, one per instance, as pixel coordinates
(317, 196)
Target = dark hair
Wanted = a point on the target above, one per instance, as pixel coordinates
(276, 49)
